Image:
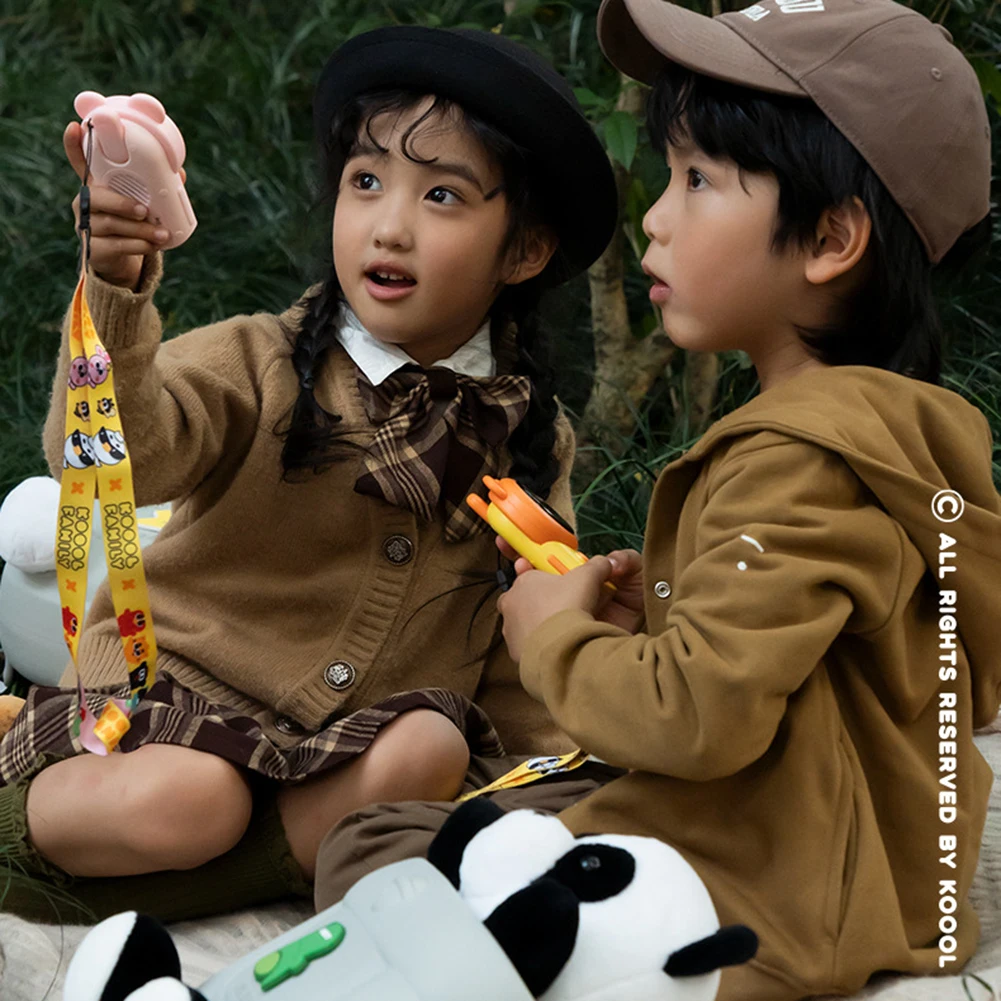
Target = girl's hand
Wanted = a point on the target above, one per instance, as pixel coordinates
(535, 596)
(119, 235)
(624, 606)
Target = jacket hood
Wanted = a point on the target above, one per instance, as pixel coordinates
(907, 441)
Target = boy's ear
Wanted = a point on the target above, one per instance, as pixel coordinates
(537, 250)
(841, 241)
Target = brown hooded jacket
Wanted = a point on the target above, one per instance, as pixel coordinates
(819, 646)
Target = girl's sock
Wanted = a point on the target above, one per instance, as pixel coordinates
(259, 869)
(29, 885)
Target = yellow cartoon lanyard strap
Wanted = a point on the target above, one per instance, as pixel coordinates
(531, 771)
(95, 460)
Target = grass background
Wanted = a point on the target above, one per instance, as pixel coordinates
(237, 77)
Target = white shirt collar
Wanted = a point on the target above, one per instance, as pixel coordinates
(379, 360)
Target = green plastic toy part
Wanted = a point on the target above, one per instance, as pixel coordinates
(277, 967)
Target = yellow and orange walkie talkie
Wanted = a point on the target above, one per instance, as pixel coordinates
(530, 525)
(534, 530)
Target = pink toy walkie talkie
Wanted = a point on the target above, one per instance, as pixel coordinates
(138, 152)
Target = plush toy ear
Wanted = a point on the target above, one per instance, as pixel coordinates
(727, 947)
(118, 956)
(445, 852)
(537, 928)
(86, 101)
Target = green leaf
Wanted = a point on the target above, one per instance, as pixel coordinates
(638, 201)
(990, 79)
(576, 20)
(525, 8)
(621, 133)
(637, 204)
(588, 98)
(366, 23)
(649, 323)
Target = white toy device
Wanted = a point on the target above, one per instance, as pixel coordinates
(138, 152)
(506, 907)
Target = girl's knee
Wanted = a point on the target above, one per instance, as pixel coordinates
(159, 807)
(426, 748)
(189, 806)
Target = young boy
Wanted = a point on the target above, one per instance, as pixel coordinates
(818, 633)
(792, 673)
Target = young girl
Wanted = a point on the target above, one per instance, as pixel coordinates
(313, 568)
(794, 696)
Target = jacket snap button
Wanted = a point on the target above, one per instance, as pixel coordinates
(662, 589)
(339, 675)
(398, 549)
(286, 724)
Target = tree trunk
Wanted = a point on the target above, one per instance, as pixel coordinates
(625, 367)
(701, 383)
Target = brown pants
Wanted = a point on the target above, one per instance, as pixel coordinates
(378, 835)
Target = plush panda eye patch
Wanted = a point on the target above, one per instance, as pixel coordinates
(537, 926)
(594, 872)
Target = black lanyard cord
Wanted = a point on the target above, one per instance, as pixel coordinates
(84, 226)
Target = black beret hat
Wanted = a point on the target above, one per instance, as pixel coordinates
(508, 86)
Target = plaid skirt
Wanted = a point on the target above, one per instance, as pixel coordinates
(171, 714)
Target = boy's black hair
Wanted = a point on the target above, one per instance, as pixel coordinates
(312, 437)
(891, 321)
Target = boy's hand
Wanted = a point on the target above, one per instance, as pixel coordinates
(119, 235)
(624, 606)
(535, 596)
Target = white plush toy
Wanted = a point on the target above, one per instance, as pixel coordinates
(603, 918)
(27, 525)
(598, 918)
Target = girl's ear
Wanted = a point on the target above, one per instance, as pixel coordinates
(841, 241)
(537, 249)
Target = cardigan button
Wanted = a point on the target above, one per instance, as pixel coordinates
(287, 725)
(339, 675)
(662, 589)
(398, 549)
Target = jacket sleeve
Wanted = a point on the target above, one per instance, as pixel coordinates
(703, 697)
(185, 405)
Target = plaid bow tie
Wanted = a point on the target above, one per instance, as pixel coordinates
(437, 434)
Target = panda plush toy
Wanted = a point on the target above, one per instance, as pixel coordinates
(507, 907)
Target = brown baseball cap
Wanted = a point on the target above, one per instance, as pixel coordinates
(890, 80)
